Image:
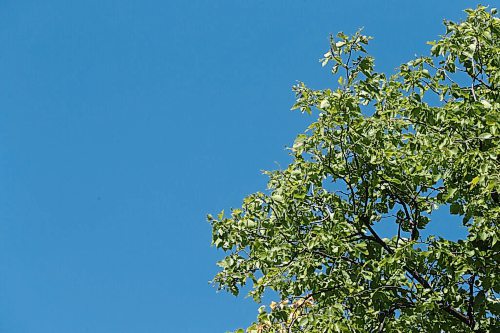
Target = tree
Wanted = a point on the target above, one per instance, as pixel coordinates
(384, 153)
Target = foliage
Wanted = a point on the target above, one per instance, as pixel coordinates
(384, 153)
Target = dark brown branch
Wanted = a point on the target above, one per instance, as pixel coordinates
(470, 307)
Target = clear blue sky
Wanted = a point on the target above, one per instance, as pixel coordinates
(122, 123)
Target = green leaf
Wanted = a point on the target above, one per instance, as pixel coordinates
(324, 104)
(485, 136)
(455, 208)
(474, 181)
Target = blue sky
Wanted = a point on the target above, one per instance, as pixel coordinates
(122, 123)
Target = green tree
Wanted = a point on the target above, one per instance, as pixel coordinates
(383, 151)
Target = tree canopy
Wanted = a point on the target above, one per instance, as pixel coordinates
(383, 154)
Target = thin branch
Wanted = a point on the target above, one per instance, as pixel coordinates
(470, 306)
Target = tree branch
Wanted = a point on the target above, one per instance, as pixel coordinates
(419, 278)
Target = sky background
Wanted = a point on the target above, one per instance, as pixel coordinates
(123, 123)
